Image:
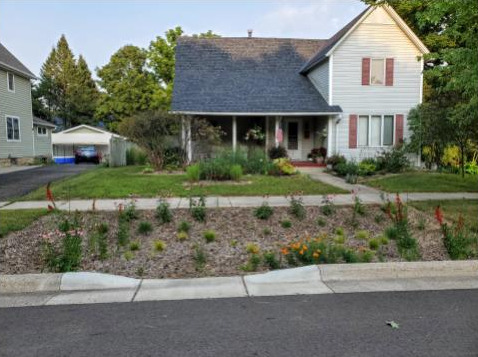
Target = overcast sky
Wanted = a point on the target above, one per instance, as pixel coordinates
(97, 28)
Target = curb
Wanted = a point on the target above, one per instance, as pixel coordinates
(89, 287)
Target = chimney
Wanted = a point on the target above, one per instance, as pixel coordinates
(249, 33)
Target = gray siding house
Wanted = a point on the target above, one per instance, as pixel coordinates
(350, 93)
(21, 139)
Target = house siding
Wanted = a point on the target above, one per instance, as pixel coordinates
(377, 37)
(18, 104)
(42, 143)
(320, 79)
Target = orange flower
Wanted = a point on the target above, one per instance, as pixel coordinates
(301, 252)
(285, 251)
(304, 247)
(315, 255)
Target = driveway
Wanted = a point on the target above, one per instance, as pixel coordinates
(19, 183)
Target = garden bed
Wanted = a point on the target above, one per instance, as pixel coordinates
(237, 236)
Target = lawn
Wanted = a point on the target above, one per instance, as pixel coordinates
(125, 181)
(16, 220)
(425, 182)
(452, 210)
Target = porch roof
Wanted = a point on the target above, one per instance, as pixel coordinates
(246, 76)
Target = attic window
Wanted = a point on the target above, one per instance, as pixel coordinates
(41, 130)
(11, 82)
(377, 72)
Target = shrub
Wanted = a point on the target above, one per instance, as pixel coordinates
(266, 231)
(233, 243)
(130, 213)
(334, 160)
(235, 172)
(362, 235)
(339, 231)
(209, 236)
(284, 166)
(103, 228)
(264, 211)
(328, 207)
(252, 248)
(184, 226)
(145, 227)
(193, 173)
(163, 212)
(366, 256)
(159, 245)
(350, 256)
(252, 264)
(311, 251)
(128, 255)
(136, 156)
(174, 156)
(68, 258)
(359, 208)
(99, 240)
(277, 152)
(374, 244)
(199, 257)
(134, 246)
(286, 224)
(321, 222)
(182, 236)
(349, 168)
(383, 240)
(340, 239)
(297, 208)
(257, 162)
(391, 232)
(367, 167)
(394, 160)
(197, 208)
(271, 260)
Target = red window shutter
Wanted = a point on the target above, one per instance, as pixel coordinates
(389, 72)
(353, 131)
(399, 129)
(365, 71)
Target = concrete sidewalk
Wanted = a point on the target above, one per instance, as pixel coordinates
(87, 287)
(236, 201)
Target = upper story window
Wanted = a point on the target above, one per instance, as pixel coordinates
(375, 130)
(41, 130)
(11, 82)
(377, 72)
(13, 129)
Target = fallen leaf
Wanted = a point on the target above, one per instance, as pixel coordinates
(392, 324)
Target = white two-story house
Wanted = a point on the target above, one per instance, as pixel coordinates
(349, 94)
(22, 137)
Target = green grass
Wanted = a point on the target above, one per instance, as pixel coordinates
(425, 182)
(15, 220)
(452, 210)
(124, 181)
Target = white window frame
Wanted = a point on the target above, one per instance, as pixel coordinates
(8, 82)
(384, 71)
(369, 123)
(43, 129)
(19, 129)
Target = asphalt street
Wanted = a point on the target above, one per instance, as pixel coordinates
(16, 184)
(431, 323)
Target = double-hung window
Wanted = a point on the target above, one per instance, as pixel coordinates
(11, 82)
(377, 71)
(13, 129)
(375, 130)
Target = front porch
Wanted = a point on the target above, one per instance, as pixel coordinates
(299, 135)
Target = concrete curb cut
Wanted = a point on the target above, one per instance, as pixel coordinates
(88, 287)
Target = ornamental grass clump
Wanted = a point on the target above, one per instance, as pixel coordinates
(197, 208)
(209, 236)
(145, 228)
(163, 212)
(159, 245)
(297, 208)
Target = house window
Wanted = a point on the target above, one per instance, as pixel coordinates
(375, 130)
(377, 72)
(13, 129)
(11, 82)
(41, 130)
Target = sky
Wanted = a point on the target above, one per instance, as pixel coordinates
(98, 28)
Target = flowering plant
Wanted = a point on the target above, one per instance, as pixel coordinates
(255, 134)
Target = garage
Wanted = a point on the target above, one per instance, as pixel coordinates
(111, 147)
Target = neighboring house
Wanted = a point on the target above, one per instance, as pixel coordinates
(111, 146)
(350, 93)
(16, 118)
(42, 131)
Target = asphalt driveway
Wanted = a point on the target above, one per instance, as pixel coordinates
(19, 183)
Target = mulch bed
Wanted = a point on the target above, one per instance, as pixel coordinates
(22, 252)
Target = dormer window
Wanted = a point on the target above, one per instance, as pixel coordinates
(377, 72)
(11, 82)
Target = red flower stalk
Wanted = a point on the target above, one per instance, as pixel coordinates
(49, 194)
(439, 215)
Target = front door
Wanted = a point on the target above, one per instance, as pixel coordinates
(293, 138)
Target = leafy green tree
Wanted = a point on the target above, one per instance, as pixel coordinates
(129, 87)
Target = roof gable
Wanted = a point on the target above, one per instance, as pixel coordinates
(10, 63)
(85, 129)
(368, 15)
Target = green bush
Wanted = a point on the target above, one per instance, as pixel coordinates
(197, 208)
(284, 166)
(252, 248)
(366, 168)
(252, 264)
(128, 255)
(163, 212)
(266, 231)
(130, 213)
(134, 246)
(271, 260)
(184, 226)
(286, 224)
(193, 173)
(257, 162)
(394, 160)
(159, 245)
(348, 168)
(350, 256)
(362, 235)
(69, 257)
(366, 256)
(174, 157)
(277, 152)
(321, 222)
(339, 231)
(235, 172)
(199, 257)
(136, 156)
(182, 236)
(297, 208)
(145, 227)
(209, 236)
(264, 211)
(334, 160)
(373, 244)
(459, 241)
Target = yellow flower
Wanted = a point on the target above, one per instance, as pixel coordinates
(315, 255)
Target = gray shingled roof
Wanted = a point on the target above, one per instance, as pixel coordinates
(320, 55)
(9, 62)
(245, 75)
(40, 122)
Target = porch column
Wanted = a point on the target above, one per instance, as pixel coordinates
(234, 133)
(189, 149)
(267, 134)
(276, 131)
(330, 132)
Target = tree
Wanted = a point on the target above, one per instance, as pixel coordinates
(161, 57)
(157, 131)
(129, 87)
